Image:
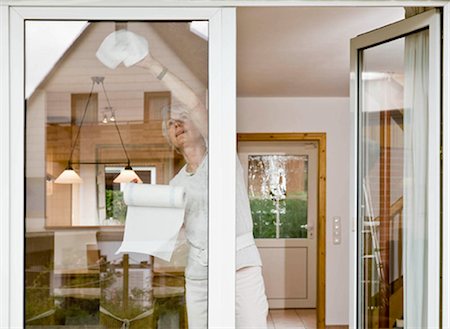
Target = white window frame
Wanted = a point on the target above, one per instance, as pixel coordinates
(222, 144)
(11, 190)
(445, 236)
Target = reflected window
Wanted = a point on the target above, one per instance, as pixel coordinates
(116, 209)
(153, 103)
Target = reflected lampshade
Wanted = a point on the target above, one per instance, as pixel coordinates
(68, 176)
(127, 175)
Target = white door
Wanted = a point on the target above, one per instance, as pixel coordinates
(397, 104)
(282, 184)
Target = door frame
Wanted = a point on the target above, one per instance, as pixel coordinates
(321, 139)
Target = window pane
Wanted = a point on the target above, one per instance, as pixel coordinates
(393, 191)
(278, 192)
(99, 109)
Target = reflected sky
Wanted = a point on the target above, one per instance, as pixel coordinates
(47, 41)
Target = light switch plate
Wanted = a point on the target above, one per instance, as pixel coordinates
(336, 230)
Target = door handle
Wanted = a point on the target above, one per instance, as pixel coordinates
(309, 228)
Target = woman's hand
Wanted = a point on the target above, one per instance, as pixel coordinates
(145, 62)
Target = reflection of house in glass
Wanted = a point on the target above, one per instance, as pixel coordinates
(56, 107)
(73, 276)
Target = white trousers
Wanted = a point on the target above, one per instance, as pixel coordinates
(197, 303)
(251, 300)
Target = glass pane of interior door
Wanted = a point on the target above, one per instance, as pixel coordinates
(278, 192)
(99, 112)
(392, 182)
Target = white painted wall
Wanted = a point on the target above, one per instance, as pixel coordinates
(332, 116)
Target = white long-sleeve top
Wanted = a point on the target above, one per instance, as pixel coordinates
(196, 221)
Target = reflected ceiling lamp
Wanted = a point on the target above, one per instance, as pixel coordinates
(69, 175)
(112, 116)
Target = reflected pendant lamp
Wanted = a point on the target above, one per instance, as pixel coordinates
(127, 175)
(69, 175)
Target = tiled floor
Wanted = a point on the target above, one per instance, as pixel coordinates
(292, 318)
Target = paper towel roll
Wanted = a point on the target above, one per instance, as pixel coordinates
(154, 217)
(148, 195)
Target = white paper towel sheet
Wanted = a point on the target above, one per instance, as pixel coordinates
(154, 218)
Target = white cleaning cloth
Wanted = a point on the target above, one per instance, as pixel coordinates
(122, 45)
(154, 218)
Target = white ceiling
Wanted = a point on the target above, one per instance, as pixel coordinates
(302, 51)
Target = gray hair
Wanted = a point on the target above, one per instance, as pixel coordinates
(166, 111)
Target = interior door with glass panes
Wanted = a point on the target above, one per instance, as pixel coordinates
(397, 104)
(282, 180)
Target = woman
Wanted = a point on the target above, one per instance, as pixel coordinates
(185, 127)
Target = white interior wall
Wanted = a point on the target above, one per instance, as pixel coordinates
(329, 115)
